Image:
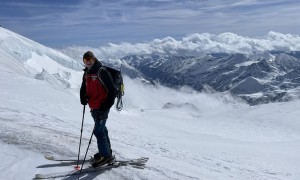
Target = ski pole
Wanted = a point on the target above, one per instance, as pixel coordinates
(77, 167)
(87, 150)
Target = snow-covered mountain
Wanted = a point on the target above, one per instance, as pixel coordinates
(185, 134)
(257, 78)
(23, 56)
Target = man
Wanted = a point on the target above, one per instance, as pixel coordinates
(97, 90)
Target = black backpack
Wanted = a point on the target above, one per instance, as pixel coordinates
(118, 84)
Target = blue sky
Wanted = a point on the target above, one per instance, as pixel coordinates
(58, 23)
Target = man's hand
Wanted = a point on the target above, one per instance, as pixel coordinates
(84, 101)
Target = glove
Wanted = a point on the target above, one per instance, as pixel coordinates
(103, 107)
(84, 101)
(107, 104)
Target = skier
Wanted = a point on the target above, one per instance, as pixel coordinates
(97, 90)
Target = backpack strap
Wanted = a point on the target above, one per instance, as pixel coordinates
(104, 69)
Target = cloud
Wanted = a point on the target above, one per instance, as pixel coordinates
(137, 97)
(194, 44)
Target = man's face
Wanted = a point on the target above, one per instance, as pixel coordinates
(89, 62)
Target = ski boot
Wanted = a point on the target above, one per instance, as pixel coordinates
(100, 160)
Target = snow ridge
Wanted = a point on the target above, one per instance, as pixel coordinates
(23, 56)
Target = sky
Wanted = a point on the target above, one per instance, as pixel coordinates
(93, 23)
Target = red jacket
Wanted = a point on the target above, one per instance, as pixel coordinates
(95, 91)
(97, 88)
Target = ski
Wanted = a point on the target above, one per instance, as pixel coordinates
(136, 163)
(71, 159)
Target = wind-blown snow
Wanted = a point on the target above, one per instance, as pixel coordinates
(185, 134)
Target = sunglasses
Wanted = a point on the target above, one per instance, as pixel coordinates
(88, 59)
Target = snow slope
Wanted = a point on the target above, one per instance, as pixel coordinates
(186, 135)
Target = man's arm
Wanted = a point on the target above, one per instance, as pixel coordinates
(83, 98)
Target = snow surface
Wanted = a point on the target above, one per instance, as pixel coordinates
(186, 135)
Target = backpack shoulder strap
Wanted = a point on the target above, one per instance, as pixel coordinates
(107, 73)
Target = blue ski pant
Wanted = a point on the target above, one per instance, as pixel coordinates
(101, 132)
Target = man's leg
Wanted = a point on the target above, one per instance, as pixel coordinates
(101, 132)
(108, 140)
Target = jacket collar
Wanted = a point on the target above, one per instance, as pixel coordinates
(96, 66)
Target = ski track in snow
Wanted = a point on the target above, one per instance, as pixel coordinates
(199, 161)
(39, 132)
(161, 154)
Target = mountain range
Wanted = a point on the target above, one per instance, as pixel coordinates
(256, 78)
